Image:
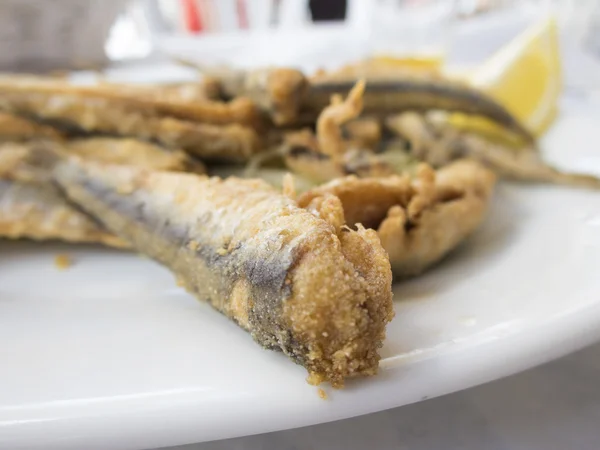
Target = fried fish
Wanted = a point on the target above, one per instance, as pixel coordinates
(433, 140)
(135, 152)
(33, 208)
(419, 221)
(392, 90)
(220, 135)
(291, 98)
(279, 92)
(40, 212)
(16, 128)
(328, 154)
(304, 285)
(24, 94)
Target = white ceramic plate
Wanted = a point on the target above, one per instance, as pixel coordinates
(111, 354)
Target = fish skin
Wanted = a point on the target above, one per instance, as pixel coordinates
(291, 98)
(40, 213)
(71, 112)
(437, 142)
(15, 90)
(297, 283)
(16, 128)
(276, 91)
(33, 208)
(135, 152)
(392, 96)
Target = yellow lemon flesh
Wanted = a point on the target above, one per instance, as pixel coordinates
(525, 77)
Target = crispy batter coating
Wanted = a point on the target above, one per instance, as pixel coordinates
(230, 142)
(426, 143)
(328, 154)
(185, 92)
(292, 99)
(329, 133)
(210, 130)
(303, 156)
(132, 152)
(19, 160)
(364, 132)
(418, 221)
(44, 92)
(33, 208)
(279, 92)
(414, 91)
(15, 128)
(320, 169)
(435, 141)
(319, 294)
(39, 212)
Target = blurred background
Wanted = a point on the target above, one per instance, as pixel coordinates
(39, 35)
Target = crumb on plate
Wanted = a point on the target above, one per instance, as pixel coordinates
(322, 394)
(63, 261)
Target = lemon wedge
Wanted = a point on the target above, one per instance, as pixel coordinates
(525, 76)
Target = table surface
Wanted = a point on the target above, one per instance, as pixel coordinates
(553, 407)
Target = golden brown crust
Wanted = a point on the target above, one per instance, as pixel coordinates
(20, 160)
(434, 140)
(185, 92)
(418, 221)
(39, 212)
(329, 133)
(132, 152)
(279, 92)
(327, 154)
(415, 91)
(241, 110)
(234, 143)
(285, 91)
(364, 132)
(100, 114)
(321, 295)
(15, 128)
(31, 206)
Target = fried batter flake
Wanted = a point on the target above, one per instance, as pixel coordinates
(418, 221)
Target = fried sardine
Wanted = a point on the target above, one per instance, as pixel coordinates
(418, 221)
(32, 207)
(433, 140)
(298, 283)
(291, 98)
(209, 130)
(38, 212)
(16, 128)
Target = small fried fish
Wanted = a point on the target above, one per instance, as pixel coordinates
(24, 93)
(418, 221)
(31, 211)
(33, 208)
(418, 93)
(435, 141)
(16, 128)
(221, 135)
(300, 284)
